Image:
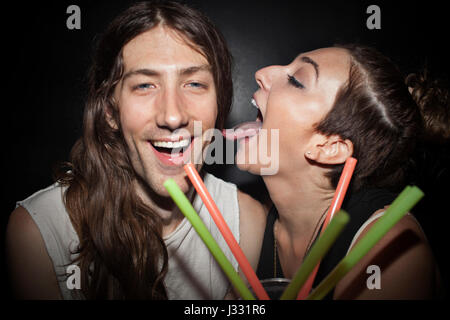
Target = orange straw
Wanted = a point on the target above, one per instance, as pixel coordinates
(226, 232)
(338, 198)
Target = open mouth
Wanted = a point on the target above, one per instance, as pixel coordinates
(246, 129)
(172, 152)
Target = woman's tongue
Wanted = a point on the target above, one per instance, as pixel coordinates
(246, 129)
(242, 130)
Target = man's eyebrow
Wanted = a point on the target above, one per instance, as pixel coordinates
(145, 72)
(194, 69)
(313, 63)
(153, 73)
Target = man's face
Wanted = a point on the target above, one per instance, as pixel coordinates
(165, 88)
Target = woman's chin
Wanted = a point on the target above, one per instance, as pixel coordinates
(244, 165)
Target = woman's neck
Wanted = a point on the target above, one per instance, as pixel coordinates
(302, 205)
(300, 201)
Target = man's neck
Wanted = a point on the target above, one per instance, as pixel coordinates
(170, 214)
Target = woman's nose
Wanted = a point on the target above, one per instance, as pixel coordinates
(265, 76)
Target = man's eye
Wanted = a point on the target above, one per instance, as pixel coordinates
(196, 85)
(293, 81)
(143, 86)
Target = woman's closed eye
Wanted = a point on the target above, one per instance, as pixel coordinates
(293, 81)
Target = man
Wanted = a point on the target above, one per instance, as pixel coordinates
(158, 69)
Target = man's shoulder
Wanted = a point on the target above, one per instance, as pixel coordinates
(45, 200)
(219, 187)
(213, 182)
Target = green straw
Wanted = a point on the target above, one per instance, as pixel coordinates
(318, 250)
(401, 205)
(186, 208)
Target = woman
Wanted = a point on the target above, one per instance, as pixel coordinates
(330, 104)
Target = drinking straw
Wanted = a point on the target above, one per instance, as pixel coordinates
(402, 204)
(319, 249)
(226, 232)
(186, 208)
(341, 189)
(336, 203)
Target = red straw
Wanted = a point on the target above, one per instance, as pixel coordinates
(339, 195)
(226, 232)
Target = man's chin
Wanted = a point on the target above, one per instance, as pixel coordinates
(152, 187)
(181, 180)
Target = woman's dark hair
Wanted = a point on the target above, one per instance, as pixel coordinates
(433, 98)
(122, 254)
(376, 111)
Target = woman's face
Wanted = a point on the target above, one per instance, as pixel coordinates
(293, 99)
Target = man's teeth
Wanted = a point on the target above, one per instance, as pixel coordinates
(254, 104)
(172, 144)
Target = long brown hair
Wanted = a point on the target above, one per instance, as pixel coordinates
(376, 111)
(122, 254)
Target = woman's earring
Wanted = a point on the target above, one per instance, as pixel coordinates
(308, 153)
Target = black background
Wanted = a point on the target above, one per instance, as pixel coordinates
(44, 69)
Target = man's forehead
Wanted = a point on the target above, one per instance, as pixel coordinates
(159, 49)
(179, 68)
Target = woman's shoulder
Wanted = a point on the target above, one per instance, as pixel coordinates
(407, 227)
(403, 258)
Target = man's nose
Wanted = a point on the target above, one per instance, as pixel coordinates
(172, 114)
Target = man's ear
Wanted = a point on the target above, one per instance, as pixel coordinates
(110, 119)
(330, 150)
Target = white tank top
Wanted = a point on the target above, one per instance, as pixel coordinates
(193, 272)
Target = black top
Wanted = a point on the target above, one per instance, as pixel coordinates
(360, 206)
